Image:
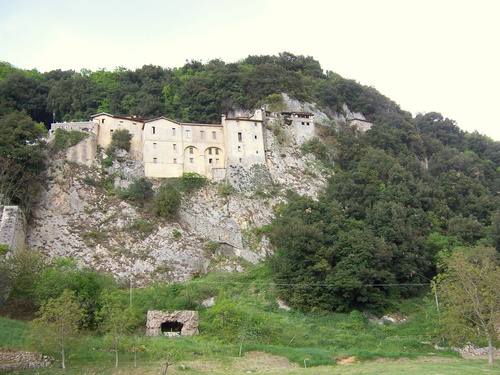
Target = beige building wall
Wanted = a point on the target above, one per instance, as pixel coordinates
(244, 139)
(169, 148)
(107, 124)
(172, 148)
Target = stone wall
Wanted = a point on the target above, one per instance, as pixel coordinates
(84, 152)
(21, 360)
(189, 320)
(12, 227)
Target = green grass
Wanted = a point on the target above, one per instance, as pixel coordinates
(246, 317)
(12, 334)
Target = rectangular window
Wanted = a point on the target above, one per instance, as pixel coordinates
(155, 160)
(191, 150)
(209, 151)
(174, 147)
(240, 137)
(103, 120)
(111, 132)
(188, 134)
(191, 160)
(175, 161)
(254, 137)
(216, 151)
(202, 134)
(239, 148)
(240, 160)
(173, 131)
(217, 161)
(214, 135)
(154, 145)
(153, 130)
(209, 161)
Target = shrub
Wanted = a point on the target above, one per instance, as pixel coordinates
(226, 189)
(168, 201)
(144, 226)
(64, 139)
(139, 191)
(189, 182)
(121, 140)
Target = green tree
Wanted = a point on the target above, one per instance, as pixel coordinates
(22, 159)
(117, 319)
(21, 272)
(470, 297)
(120, 140)
(57, 324)
(167, 201)
(87, 285)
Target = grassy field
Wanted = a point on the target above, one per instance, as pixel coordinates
(271, 340)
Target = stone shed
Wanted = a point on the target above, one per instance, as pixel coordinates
(173, 323)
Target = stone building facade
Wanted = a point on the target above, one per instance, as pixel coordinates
(169, 148)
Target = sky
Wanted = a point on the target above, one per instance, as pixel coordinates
(426, 55)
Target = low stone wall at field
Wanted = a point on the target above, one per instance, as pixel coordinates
(20, 360)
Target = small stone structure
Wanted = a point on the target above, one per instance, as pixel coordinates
(12, 227)
(172, 323)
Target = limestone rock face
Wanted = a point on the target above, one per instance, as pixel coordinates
(187, 321)
(78, 217)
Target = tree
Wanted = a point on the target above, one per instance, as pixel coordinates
(168, 201)
(22, 159)
(470, 296)
(118, 319)
(57, 324)
(121, 140)
(20, 273)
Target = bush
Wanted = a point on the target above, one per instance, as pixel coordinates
(139, 191)
(121, 140)
(144, 226)
(168, 201)
(64, 139)
(189, 182)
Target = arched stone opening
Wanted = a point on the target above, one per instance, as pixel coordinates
(172, 323)
(171, 326)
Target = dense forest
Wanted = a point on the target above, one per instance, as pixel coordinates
(400, 198)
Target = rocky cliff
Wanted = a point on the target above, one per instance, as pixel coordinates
(78, 217)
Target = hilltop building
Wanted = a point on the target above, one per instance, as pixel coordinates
(169, 148)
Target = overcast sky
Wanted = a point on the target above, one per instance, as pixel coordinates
(426, 55)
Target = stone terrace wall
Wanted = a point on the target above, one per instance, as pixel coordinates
(12, 227)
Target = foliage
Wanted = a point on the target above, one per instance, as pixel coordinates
(22, 159)
(168, 201)
(57, 324)
(469, 290)
(21, 272)
(139, 191)
(117, 319)
(190, 182)
(144, 226)
(87, 286)
(64, 139)
(120, 140)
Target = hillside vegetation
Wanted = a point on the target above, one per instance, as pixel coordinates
(400, 200)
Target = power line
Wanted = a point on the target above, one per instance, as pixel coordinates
(319, 285)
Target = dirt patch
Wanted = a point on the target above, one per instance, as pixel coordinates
(351, 360)
(251, 362)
